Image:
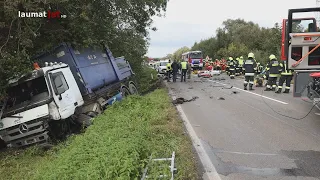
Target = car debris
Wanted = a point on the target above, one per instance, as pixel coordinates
(221, 98)
(181, 100)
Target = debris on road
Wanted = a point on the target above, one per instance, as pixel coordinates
(227, 87)
(218, 79)
(181, 100)
(190, 88)
(211, 97)
(235, 92)
(196, 125)
(221, 98)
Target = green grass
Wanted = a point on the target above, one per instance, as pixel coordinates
(116, 146)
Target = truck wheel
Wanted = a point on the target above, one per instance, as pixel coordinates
(133, 89)
(125, 91)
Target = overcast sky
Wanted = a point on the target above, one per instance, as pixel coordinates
(188, 21)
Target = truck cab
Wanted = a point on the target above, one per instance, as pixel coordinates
(45, 93)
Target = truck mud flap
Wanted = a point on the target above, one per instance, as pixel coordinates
(301, 81)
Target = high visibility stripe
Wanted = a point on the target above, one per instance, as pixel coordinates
(245, 82)
(280, 87)
(249, 74)
(288, 87)
(274, 85)
(273, 75)
(250, 82)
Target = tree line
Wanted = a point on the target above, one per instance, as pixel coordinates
(236, 38)
(122, 25)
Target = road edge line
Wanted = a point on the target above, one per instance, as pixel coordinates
(210, 170)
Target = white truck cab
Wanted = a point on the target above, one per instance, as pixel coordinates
(48, 93)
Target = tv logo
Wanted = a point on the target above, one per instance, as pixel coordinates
(44, 14)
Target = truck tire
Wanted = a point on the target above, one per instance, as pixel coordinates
(132, 88)
(125, 91)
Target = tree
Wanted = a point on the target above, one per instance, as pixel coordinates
(123, 25)
(177, 55)
(238, 37)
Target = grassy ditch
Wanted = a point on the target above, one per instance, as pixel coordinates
(147, 79)
(117, 146)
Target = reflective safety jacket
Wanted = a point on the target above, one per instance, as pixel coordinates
(284, 69)
(274, 68)
(169, 67)
(250, 67)
(240, 62)
(184, 65)
(231, 64)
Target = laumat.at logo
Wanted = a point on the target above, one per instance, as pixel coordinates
(43, 14)
(23, 128)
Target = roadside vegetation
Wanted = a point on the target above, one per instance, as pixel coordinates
(147, 80)
(117, 146)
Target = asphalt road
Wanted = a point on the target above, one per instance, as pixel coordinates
(252, 135)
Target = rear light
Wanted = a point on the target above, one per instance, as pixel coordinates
(190, 61)
(201, 60)
(307, 38)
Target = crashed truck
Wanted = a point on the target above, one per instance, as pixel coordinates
(67, 88)
(303, 54)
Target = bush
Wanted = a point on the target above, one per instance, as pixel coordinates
(147, 79)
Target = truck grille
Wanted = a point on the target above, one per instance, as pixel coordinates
(27, 133)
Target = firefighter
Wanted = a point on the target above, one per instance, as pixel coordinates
(259, 68)
(237, 66)
(169, 70)
(184, 68)
(218, 64)
(240, 64)
(274, 70)
(227, 66)
(286, 76)
(249, 69)
(232, 67)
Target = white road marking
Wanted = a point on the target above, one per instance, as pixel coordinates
(252, 93)
(210, 171)
(244, 153)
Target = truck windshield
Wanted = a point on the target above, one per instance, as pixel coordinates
(26, 93)
(196, 55)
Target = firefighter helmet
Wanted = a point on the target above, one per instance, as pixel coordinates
(251, 55)
(230, 58)
(272, 56)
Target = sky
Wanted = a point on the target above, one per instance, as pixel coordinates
(189, 21)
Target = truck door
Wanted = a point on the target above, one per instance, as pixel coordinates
(62, 93)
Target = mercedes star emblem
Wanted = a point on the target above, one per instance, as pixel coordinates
(23, 128)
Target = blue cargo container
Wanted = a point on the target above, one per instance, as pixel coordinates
(93, 69)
